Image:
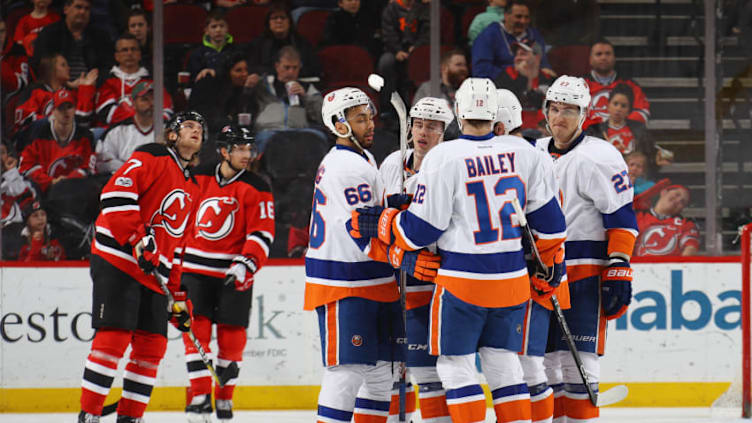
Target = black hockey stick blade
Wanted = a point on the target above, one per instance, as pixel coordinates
(109, 409)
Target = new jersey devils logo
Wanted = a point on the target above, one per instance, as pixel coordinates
(599, 104)
(173, 213)
(216, 217)
(64, 165)
(659, 240)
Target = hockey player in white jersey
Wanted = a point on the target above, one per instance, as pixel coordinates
(601, 231)
(429, 118)
(356, 298)
(462, 202)
(538, 310)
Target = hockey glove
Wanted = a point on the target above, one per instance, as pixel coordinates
(399, 201)
(373, 222)
(181, 314)
(555, 272)
(616, 288)
(241, 273)
(145, 250)
(421, 264)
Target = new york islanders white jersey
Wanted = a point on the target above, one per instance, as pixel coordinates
(336, 266)
(463, 200)
(597, 202)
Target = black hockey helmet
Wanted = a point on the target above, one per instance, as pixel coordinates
(234, 135)
(181, 117)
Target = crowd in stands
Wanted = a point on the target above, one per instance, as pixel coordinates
(78, 94)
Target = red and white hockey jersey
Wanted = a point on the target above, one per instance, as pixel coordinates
(114, 104)
(36, 103)
(336, 265)
(233, 217)
(665, 235)
(151, 189)
(600, 93)
(597, 201)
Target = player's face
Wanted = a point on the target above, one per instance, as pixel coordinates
(37, 220)
(672, 202)
(564, 120)
(62, 70)
(138, 27)
(240, 155)
(217, 31)
(77, 14)
(360, 119)
(602, 58)
(618, 108)
(189, 139)
(287, 69)
(127, 53)
(517, 19)
(64, 114)
(144, 104)
(239, 73)
(279, 24)
(426, 134)
(349, 6)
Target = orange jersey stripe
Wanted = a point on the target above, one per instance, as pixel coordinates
(368, 418)
(547, 248)
(582, 271)
(434, 325)
(543, 409)
(418, 299)
(433, 407)
(316, 294)
(487, 293)
(562, 294)
(410, 404)
(620, 241)
(513, 411)
(331, 334)
(469, 412)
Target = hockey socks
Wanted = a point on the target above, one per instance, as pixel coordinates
(466, 404)
(141, 372)
(541, 403)
(511, 403)
(372, 411)
(433, 405)
(409, 402)
(231, 341)
(577, 403)
(198, 374)
(107, 348)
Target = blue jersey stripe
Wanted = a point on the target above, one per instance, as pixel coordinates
(369, 404)
(511, 261)
(347, 271)
(548, 219)
(465, 391)
(623, 218)
(507, 391)
(417, 230)
(333, 413)
(586, 249)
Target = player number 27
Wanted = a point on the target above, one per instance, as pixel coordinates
(507, 188)
(621, 182)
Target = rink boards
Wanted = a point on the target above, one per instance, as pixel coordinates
(679, 344)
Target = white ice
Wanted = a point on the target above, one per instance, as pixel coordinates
(608, 415)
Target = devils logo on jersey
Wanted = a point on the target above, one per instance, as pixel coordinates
(173, 213)
(216, 217)
(64, 165)
(662, 237)
(599, 104)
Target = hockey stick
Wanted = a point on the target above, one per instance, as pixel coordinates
(611, 396)
(401, 109)
(230, 372)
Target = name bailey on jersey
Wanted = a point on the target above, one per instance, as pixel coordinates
(487, 165)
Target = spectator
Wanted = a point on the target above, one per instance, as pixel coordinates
(280, 32)
(15, 191)
(53, 73)
(494, 13)
(527, 81)
(121, 140)
(29, 26)
(453, 72)
(284, 102)
(663, 230)
(492, 49)
(218, 46)
(14, 67)
(114, 94)
(221, 98)
(603, 79)
(637, 163)
(401, 31)
(351, 24)
(84, 47)
(39, 245)
(59, 148)
(140, 27)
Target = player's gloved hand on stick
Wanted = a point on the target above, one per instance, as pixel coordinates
(553, 275)
(181, 313)
(241, 273)
(399, 201)
(422, 264)
(373, 222)
(145, 249)
(616, 288)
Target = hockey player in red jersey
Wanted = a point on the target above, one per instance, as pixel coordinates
(229, 241)
(146, 208)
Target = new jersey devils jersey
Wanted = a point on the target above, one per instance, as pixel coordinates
(114, 103)
(665, 235)
(600, 93)
(233, 217)
(36, 103)
(150, 189)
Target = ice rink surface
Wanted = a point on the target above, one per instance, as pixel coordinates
(608, 415)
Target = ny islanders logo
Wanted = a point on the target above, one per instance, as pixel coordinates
(216, 217)
(173, 213)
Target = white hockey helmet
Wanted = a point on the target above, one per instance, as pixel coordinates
(476, 99)
(432, 108)
(569, 90)
(510, 110)
(336, 104)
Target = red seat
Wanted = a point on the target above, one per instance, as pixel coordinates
(246, 22)
(418, 64)
(571, 60)
(467, 17)
(345, 64)
(311, 25)
(183, 23)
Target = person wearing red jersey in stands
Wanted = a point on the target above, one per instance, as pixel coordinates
(40, 246)
(29, 26)
(59, 149)
(663, 230)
